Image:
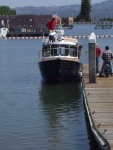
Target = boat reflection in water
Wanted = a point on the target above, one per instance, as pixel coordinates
(64, 112)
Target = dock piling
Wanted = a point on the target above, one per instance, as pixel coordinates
(92, 58)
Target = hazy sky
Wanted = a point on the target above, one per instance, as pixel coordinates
(38, 3)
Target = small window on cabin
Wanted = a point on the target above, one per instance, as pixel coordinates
(62, 51)
(67, 50)
(46, 51)
(54, 50)
(73, 51)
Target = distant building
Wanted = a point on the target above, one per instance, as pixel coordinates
(31, 22)
(67, 21)
(27, 21)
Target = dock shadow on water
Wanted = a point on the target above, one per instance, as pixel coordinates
(62, 106)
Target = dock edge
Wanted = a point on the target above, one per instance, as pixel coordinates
(98, 137)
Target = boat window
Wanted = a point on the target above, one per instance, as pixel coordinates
(54, 50)
(73, 51)
(62, 51)
(67, 50)
(46, 51)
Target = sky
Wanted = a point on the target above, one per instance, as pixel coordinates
(38, 3)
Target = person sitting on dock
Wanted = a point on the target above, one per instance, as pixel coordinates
(107, 56)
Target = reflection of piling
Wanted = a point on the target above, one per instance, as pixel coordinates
(92, 58)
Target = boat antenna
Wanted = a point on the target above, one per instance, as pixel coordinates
(60, 22)
(43, 38)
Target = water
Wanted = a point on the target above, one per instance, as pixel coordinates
(39, 116)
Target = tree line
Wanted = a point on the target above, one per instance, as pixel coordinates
(84, 15)
(5, 10)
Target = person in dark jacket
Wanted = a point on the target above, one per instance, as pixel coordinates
(107, 56)
(79, 51)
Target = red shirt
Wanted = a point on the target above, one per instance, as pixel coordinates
(51, 24)
(98, 52)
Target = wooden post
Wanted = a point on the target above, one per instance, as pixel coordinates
(92, 58)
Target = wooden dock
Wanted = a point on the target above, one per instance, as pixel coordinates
(99, 105)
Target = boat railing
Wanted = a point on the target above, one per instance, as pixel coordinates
(66, 39)
(57, 53)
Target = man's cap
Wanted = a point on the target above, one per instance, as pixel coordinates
(107, 47)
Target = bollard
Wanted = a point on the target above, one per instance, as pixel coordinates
(92, 58)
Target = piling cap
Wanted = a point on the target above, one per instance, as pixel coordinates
(92, 38)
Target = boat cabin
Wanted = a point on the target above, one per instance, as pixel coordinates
(59, 50)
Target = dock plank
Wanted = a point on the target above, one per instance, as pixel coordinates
(99, 97)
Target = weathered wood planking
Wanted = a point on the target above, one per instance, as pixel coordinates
(100, 102)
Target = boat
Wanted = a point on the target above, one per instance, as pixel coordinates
(3, 32)
(59, 60)
(104, 26)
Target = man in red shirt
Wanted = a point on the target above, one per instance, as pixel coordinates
(51, 24)
(98, 53)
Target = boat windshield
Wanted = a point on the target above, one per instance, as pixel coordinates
(60, 50)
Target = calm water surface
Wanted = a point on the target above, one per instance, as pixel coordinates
(35, 115)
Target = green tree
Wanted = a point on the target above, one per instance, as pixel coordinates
(5, 10)
(84, 15)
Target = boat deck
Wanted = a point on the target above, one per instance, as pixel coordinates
(66, 39)
(99, 97)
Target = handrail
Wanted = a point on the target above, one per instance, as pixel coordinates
(104, 144)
